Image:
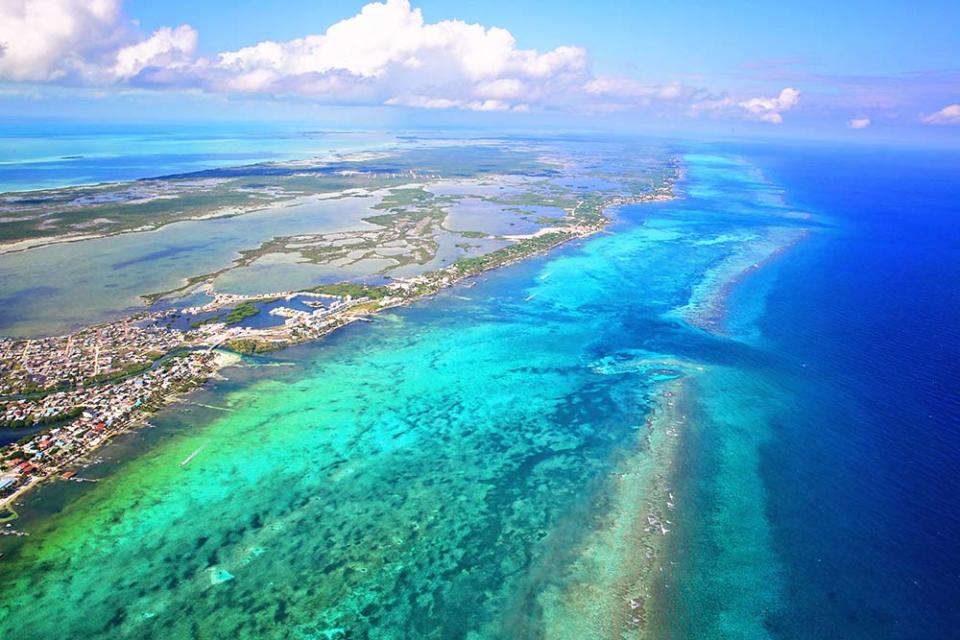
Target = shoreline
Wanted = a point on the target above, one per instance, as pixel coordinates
(132, 421)
(273, 339)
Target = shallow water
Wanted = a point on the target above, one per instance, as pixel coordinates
(472, 214)
(59, 287)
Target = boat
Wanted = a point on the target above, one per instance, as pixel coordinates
(190, 457)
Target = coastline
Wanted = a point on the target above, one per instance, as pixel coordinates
(525, 247)
(136, 419)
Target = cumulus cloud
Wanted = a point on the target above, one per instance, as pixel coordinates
(948, 115)
(388, 53)
(622, 93)
(762, 108)
(43, 40)
(83, 42)
(167, 48)
(859, 123)
(770, 109)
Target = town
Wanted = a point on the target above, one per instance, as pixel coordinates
(73, 393)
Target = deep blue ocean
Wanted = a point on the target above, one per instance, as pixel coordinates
(863, 471)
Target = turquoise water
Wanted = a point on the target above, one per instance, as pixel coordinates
(488, 463)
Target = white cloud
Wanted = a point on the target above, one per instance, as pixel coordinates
(643, 93)
(425, 103)
(388, 53)
(503, 88)
(43, 40)
(859, 123)
(948, 115)
(447, 103)
(713, 105)
(167, 48)
(762, 108)
(770, 109)
(622, 93)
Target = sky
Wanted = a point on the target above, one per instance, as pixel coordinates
(851, 69)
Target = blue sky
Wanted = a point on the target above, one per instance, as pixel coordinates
(858, 69)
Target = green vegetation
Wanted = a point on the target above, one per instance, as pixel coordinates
(152, 203)
(398, 220)
(399, 199)
(344, 289)
(364, 309)
(409, 218)
(250, 346)
(101, 209)
(237, 315)
(241, 313)
(112, 208)
(30, 387)
(129, 369)
(466, 266)
(561, 199)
